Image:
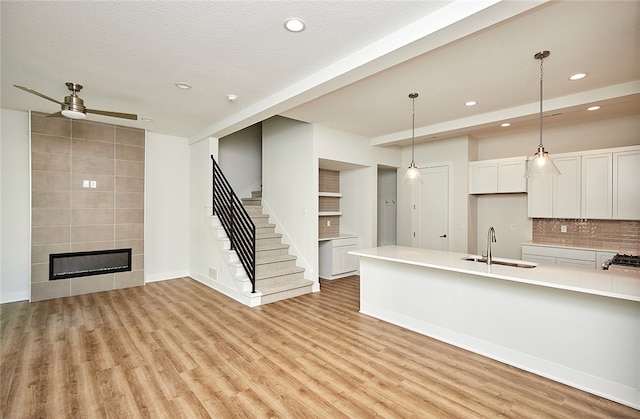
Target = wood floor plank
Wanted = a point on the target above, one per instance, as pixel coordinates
(179, 349)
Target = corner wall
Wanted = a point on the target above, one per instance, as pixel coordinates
(15, 214)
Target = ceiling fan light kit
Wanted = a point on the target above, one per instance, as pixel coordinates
(73, 106)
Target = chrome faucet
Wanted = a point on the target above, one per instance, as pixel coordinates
(491, 238)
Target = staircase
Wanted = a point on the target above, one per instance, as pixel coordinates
(277, 276)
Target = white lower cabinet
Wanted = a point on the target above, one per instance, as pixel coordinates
(335, 260)
(561, 256)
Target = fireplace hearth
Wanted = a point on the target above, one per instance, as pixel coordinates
(99, 262)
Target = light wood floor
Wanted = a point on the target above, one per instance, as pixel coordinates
(179, 349)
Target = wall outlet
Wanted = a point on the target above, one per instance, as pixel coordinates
(563, 229)
(93, 184)
(85, 183)
(328, 223)
(512, 226)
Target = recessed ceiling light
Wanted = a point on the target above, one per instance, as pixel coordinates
(593, 108)
(470, 103)
(232, 98)
(293, 24)
(506, 124)
(578, 76)
(183, 85)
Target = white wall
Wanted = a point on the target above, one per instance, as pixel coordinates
(387, 189)
(166, 253)
(290, 188)
(201, 244)
(606, 133)
(15, 206)
(507, 214)
(240, 158)
(455, 153)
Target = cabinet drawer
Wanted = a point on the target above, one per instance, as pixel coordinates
(538, 259)
(575, 262)
(578, 254)
(351, 241)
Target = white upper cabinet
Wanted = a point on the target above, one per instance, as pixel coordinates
(557, 196)
(497, 176)
(626, 185)
(567, 188)
(597, 186)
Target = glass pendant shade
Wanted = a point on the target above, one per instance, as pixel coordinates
(541, 165)
(412, 177)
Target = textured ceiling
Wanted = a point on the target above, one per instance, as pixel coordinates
(352, 68)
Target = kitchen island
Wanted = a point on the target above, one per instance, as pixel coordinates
(577, 326)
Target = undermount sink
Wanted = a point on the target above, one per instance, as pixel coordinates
(504, 262)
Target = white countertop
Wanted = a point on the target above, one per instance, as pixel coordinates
(599, 282)
(341, 236)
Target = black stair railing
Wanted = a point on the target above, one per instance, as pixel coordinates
(236, 222)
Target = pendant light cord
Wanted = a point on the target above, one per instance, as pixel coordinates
(413, 128)
(541, 74)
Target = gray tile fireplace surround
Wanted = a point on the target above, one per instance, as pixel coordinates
(69, 217)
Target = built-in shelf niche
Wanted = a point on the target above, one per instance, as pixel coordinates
(329, 203)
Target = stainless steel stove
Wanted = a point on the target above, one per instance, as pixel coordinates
(628, 263)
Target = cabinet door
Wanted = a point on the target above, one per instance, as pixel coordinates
(483, 177)
(626, 187)
(350, 261)
(567, 189)
(540, 197)
(343, 262)
(511, 176)
(597, 186)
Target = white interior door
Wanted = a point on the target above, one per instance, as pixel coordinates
(431, 218)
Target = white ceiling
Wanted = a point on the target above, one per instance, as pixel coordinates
(351, 69)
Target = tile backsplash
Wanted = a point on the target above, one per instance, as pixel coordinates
(616, 235)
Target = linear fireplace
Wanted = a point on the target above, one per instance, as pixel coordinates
(71, 265)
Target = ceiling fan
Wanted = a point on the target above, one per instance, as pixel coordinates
(73, 107)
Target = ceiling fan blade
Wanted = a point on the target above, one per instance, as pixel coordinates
(114, 114)
(33, 92)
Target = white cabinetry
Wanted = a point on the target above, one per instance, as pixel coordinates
(597, 186)
(626, 185)
(583, 258)
(498, 176)
(335, 260)
(557, 196)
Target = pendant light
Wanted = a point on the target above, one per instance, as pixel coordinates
(541, 164)
(412, 177)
